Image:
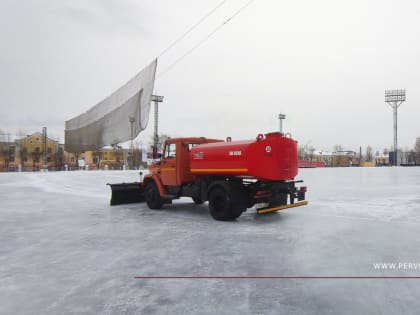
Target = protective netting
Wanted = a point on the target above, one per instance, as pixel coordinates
(116, 119)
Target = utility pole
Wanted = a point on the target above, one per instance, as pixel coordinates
(395, 98)
(157, 99)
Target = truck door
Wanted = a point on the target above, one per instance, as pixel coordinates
(168, 165)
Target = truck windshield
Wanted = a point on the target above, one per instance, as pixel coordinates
(170, 151)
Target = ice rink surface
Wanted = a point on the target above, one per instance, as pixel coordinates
(64, 250)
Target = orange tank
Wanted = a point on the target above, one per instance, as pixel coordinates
(269, 157)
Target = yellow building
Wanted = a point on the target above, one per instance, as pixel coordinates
(110, 158)
(106, 158)
(31, 153)
(344, 158)
(27, 154)
(382, 159)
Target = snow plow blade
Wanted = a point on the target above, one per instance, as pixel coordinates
(293, 205)
(126, 193)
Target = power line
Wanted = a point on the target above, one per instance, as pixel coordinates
(207, 37)
(191, 29)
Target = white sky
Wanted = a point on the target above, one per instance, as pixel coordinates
(325, 64)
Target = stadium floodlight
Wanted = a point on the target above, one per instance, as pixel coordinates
(395, 98)
(281, 117)
(157, 99)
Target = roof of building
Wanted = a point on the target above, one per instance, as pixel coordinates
(34, 135)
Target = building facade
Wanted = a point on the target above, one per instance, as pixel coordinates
(34, 153)
(345, 158)
(112, 158)
(31, 153)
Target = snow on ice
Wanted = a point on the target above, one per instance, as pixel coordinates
(64, 250)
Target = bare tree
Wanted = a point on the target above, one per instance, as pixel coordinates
(137, 154)
(96, 158)
(136, 158)
(411, 157)
(369, 154)
(417, 151)
(401, 156)
(162, 139)
(338, 156)
(6, 149)
(119, 156)
(301, 153)
(21, 133)
(23, 153)
(338, 147)
(59, 158)
(311, 153)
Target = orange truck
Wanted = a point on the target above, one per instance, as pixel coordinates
(231, 175)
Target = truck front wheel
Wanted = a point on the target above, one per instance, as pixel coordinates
(152, 196)
(221, 207)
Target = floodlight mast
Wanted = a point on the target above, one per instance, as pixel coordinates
(281, 117)
(395, 98)
(157, 99)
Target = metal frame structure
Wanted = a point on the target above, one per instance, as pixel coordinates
(395, 98)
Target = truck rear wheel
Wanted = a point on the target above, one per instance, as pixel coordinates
(152, 196)
(221, 207)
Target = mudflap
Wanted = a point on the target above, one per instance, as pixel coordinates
(126, 193)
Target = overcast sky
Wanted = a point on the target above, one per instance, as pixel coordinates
(325, 64)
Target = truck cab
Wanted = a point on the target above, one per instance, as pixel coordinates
(173, 170)
(175, 163)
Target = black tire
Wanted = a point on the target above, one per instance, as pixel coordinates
(221, 207)
(152, 196)
(197, 200)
